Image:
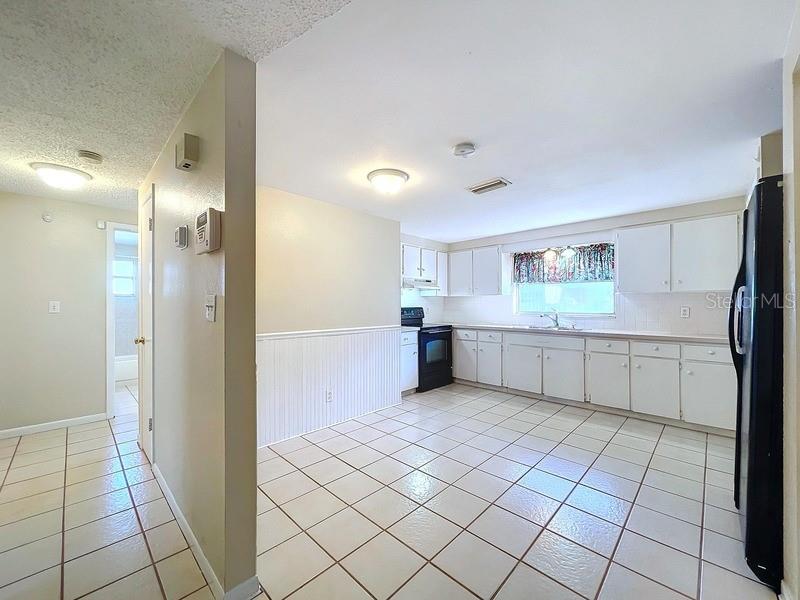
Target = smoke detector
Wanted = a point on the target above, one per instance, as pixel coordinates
(464, 149)
(90, 157)
(489, 186)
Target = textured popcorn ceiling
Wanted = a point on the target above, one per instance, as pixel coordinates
(113, 76)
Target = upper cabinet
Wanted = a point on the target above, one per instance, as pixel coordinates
(441, 270)
(475, 272)
(687, 256)
(428, 264)
(643, 259)
(411, 261)
(705, 254)
(460, 273)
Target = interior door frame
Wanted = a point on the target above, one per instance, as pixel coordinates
(147, 230)
(111, 334)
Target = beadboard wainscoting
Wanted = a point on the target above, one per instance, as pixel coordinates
(312, 379)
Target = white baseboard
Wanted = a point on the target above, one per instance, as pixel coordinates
(245, 591)
(205, 566)
(29, 429)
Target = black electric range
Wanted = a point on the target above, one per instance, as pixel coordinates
(435, 345)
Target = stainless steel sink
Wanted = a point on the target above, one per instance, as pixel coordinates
(553, 328)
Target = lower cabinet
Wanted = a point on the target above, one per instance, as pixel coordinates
(409, 367)
(490, 363)
(708, 394)
(655, 386)
(562, 374)
(522, 368)
(465, 359)
(607, 377)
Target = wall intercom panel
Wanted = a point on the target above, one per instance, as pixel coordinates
(207, 231)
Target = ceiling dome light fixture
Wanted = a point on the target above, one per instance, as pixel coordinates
(387, 181)
(61, 177)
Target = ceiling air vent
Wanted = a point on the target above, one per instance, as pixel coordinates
(489, 186)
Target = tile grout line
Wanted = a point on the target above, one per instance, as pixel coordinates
(701, 550)
(64, 510)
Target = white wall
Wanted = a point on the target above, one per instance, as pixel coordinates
(52, 366)
(323, 266)
(204, 372)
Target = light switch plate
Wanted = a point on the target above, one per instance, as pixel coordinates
(54, 307)
(211, 308)
(685, 312)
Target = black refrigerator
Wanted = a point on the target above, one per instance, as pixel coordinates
(755, 330)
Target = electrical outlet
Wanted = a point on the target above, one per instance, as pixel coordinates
(329, 396)
(54, 307)
(685, 312)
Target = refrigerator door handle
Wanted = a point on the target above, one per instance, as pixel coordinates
(737, 320)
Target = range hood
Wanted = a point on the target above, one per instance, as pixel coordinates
(419, 284)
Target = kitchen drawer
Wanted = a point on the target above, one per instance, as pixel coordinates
(610, 346)
(544, 341)
(717, 354)
(656, 349)
(466, 334)
(490, 336)
(408, 337)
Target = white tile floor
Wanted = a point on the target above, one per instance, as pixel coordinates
(81, 516)
(462, 492)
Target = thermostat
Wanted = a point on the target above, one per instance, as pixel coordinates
(207, 231)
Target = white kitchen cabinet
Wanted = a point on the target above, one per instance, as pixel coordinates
(655, 386)
(708, 394)
(490, 363)
(460, 273)
(428, 264)
(465, 359)
(562, 374)
(522, 368)
(608, 380)
(705, 254)
(486, 271)
(411, 260)
(409, 367)
(643, 259)
(441, 273)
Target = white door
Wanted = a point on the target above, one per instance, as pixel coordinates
(465, 360)
(562, 374)
(522, 368)
(490, 363)
(409, 367)
(643, 263)
(460, 273)
(708, 394)
(705, 254)
(145, 340)
(486, 271)
(441, 273)
(655, 386)
(428, 264)
(608, 381)
(411, 266)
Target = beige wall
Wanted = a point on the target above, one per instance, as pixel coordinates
(204, 381)
(791, 415)
(323, 266)
(52, 366)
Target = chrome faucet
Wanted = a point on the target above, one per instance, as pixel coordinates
(553, 318)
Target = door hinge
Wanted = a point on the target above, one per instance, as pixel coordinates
(150, 424)
(149, 223)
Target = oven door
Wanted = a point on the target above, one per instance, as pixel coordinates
(435, 358)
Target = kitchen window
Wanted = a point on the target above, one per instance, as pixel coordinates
(577, 279)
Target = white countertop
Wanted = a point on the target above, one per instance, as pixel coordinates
(408, 328)
(604, 333)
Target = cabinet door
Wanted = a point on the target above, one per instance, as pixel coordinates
(465, 360)
(608, 380)
(643, 259)
(409, 367)
(705, 254)
(562, 374)
(441, 273)
(428, 264)
(411, 261)
(655, 386)
(490, 363)
(522, 368)
(708, 394)
(460, 273)
(486, 271)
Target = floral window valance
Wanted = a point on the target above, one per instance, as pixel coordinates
(586, 262)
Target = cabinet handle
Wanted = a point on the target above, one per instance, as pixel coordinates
(624, 365)
(608, 345)
(680, 280)
(638, 366)
(474, 349)
(538, 356)
(413, 354)
(665, 282)
(688, 372)
(481, 349)
(711, 352)
(547, 357)
(655, 348)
